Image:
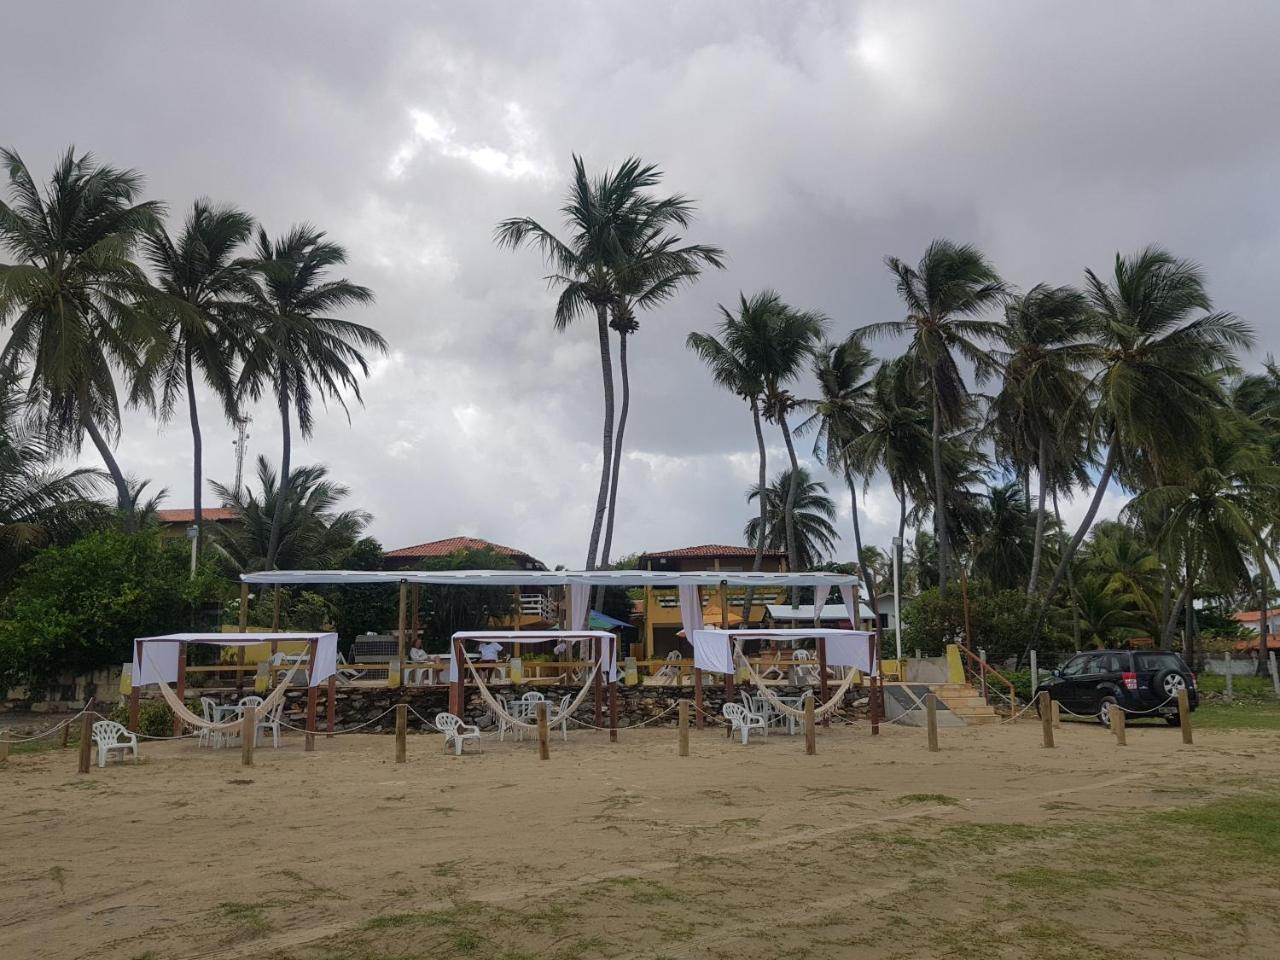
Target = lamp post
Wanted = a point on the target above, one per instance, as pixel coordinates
(897, 604)
(192, 533)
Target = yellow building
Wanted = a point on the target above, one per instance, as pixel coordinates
(661, 605)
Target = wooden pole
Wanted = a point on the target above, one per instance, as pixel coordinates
(723, 598)
(810, 728)
(86, 741)
(400, 638)
(823, 689)
(417, 612)
(544, 737)
(182, 685)
(874, 705)
(136, 689)
(613, 711)
(331, 707)
(1057, 715)
(310, 743)
(683, 723)
(697, 697)
(1227, 695)
(402, 726)
(4, 749)
(931, 719)
(248, 735)
(66, 733)
(597, 687)
(1184, 714)
(1046, 718)
(458, 692)
(1275, 674)
(1117, 723)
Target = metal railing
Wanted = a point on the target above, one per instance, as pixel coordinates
(976, 667)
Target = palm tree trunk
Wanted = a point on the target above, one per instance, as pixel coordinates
(282, 488)
(617, 450)
(758, 562)
(1261, 668)
(789, 508)
(602, 498)
(1042, 470)
(872, 591)
(196, 452)
(124, 502)
(1189, 637)
(1171, 625)
(939, 502)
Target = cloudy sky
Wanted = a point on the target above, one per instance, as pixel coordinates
(816, 138)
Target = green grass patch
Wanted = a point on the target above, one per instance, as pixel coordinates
(1241, 715)
(244, 920)
(938, 798)
(1248, 828)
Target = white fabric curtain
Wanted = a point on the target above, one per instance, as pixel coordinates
(819, 601)
(852, 650)
(160, 656)
(690, 609)
(850, 604)
(712, 651)
(579, 605)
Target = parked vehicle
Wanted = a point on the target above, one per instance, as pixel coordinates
(1145, 683)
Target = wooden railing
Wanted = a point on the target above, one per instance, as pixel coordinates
(976, 665)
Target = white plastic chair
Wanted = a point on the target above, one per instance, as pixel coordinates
(771, 669)
(744, 721)
(455, 731)
(564, 715)
(208, 712)
(345, 673)
(270, 722)
(806, 668)
(109, 735)
(670, 673)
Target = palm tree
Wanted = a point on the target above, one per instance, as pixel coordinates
(814, 535)
(312, 533)
(944, 294)
(69, 296)
(618, 254)
(1039, 416)
(1128, 568)
(201, 288)
(1157, 350)
(298, 349)
(840, 412)
(1004, 543)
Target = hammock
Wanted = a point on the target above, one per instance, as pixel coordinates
(200, 723)
(787, 709)
(499, 710)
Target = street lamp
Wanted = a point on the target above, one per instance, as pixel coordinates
(192, 533)
(897, 600)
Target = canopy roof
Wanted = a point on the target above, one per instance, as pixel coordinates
(159, 660)
(531, 636)
(234, 639)
(554, 578)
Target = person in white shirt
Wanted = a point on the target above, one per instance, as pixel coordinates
(491, 651)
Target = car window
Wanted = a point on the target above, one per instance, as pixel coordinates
(1159, 661)
(1109, 663)
(1077, 665)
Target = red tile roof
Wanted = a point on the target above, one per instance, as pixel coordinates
(451, 545)
(710, 551)
(188, 515)
(1252, 616)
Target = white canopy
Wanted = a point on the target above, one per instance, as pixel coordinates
(160, 654)
(608, 643)
(554, 578)
(712, 649)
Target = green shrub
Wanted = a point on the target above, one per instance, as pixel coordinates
(155, 719)
(999, 622)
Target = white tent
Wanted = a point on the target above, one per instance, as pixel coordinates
(159, 661)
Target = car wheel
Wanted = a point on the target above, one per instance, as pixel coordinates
(1167, 683)
(1174, 721)
(1104, 711)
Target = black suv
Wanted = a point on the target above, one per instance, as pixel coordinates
(1142, 682)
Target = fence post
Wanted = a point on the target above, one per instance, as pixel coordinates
(4, 749)
(810, 728)
(931, 718)
(544, 739)
(875, 704)
(684, 727)
(1275, 674)
(86, 740)
(982, 670)
(1228, 695)
(1184, 714)
(330, 707)
(248, 734)
(1046, 718)
(66, 733)
(1035, 673)
(402, 725)
(1117, 723)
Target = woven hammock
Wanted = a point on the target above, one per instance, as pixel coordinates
(181, 710)
(501, 711)
(784, 708)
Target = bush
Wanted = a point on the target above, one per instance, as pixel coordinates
(77, 608)
(999, 620)
(155, 719)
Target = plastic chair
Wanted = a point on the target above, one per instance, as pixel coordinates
(564, 715)
(744, 721)
(208, 713)
(109, 735)
(670, 673)
(270, 722)
(455, 731)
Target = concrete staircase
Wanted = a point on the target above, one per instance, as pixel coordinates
(965, 702)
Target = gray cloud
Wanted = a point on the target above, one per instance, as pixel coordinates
(816, 138)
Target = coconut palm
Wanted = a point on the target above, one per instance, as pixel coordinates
(201, 288)
(311, 533)
(944, 295)
(618, 252)
(814, 535)
(1158, 347)
(1128, 568)
(298, 349)
(1004, 541)
(1040, 416)
(68, 296)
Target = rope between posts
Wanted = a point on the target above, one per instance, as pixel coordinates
(1126, 710)
(318, 733)
(54, 729)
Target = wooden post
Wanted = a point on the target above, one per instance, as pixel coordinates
(310, 743)
(275, 609)
(1035, 673)
(1057, 715)
(823, 689)
(873, 702)
(244, 628)
(1275, 674)
(544, 738)
(86, 741)
(330, 707)
(458, 692)
(810, 728)
(683, 723)
(613, 711)
(4, 749)
(697, 697)
(66, 732)
(1117, 723)
(1046, 718)
(402, 726)
(182, 685)
(400, 635)
(248, 735)
(931, 719)
(722, 596)
(135, 690)
(417, 615)
(597, 687)
(1184, 714)
(1227, 694)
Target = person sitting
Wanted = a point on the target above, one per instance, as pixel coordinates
(418, 655)
(491, 651)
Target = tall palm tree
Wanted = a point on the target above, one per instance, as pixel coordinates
(1158, 349)
(1128, 568)
(618, 252)
(814, 536)
(1039, 415)
(298, 348)
(68, 296)
(1004, 542)
(944, 295)
(201, 290)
